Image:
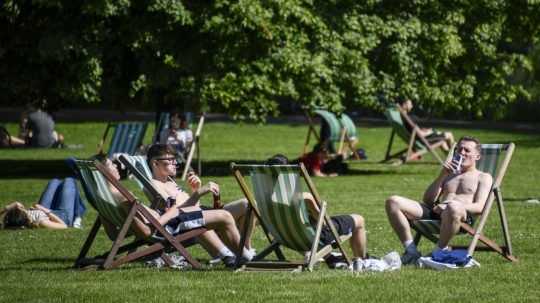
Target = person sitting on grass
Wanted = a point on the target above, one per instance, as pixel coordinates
(461, 192)
(59, 207)
(185, 215)
(162, 162)
(319, 163)
(351, 224)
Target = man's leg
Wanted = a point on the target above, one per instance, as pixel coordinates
(451, 218)
(238, 210)
(399, 210)
(223, 222)
(358, 239)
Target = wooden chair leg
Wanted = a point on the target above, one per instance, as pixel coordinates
(88, 242)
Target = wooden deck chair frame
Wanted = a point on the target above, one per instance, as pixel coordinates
(330, 118)
(428, 228)
(417, 144)
(260, 262)
(122, 132)
(195, 147)
(115, 256)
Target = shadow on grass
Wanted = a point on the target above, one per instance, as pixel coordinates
(57, 168)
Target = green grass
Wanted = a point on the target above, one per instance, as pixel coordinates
(35, 264)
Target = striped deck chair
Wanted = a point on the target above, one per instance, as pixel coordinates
(138, 166)
(278, 204)
(341, 130)
(127, 137)
(494, 160)
(155, 239)
(163, 123)
(417, 145)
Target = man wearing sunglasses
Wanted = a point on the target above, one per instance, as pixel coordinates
(221, 220)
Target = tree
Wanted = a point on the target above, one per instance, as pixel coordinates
(245, 56)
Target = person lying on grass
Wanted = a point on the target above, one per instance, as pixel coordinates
(59, 207)
(462, 191)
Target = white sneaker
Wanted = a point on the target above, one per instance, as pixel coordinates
(410, 257)
(77, 223)
(357, 265)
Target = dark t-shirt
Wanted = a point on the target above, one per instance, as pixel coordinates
(42, 126)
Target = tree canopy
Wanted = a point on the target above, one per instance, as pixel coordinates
(246, 56)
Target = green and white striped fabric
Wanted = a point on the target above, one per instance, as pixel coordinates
(348, 123)
(394, 118)
(127, 137)
(98, 193)
(489, 162)
(278, 192)
(143, 175)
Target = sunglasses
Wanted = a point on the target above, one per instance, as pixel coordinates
(170, 160)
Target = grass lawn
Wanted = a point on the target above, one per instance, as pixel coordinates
(36, 264)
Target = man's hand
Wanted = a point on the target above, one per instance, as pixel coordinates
(439, 208)
(194, 181)
(211, 187)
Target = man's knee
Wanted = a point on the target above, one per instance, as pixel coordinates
(359, 221)
(455, 212)
(393, 203)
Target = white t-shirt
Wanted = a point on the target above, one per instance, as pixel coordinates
(179, 137)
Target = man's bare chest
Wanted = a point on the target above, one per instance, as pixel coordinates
(464, 184)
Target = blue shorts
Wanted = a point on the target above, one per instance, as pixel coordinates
(429, 214)
(184, 222)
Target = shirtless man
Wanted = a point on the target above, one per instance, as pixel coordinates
(454, 197)
(162, 161)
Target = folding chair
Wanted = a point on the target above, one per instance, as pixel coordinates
(94, 177)
(195, 147)
(417, 144)
(163, 123)
(493, 162)
(341, 130)
(138, 166)
(278, 204)
(127, 137)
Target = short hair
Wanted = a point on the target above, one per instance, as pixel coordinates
(401, 99)
(159, 150)
(472, 139)
(277, 159)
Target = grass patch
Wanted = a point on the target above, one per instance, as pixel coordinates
(35, 264)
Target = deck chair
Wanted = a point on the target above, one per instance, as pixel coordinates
(163, 123)
(494, 160)
(94, 177)
(341, 131)
(127, 137)
(417, 144)
(277, 203)
(138, 167)
(195, 147)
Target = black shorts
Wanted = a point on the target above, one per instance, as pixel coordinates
(436, 136)
(429, 214)
(344, 225)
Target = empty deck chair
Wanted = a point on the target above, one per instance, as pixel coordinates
(127, 138)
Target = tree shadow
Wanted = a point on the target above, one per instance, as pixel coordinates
(31, 168)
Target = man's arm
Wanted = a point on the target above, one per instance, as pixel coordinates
(485, 182)
(434, 189)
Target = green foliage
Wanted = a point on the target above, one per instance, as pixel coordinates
(246, 56)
